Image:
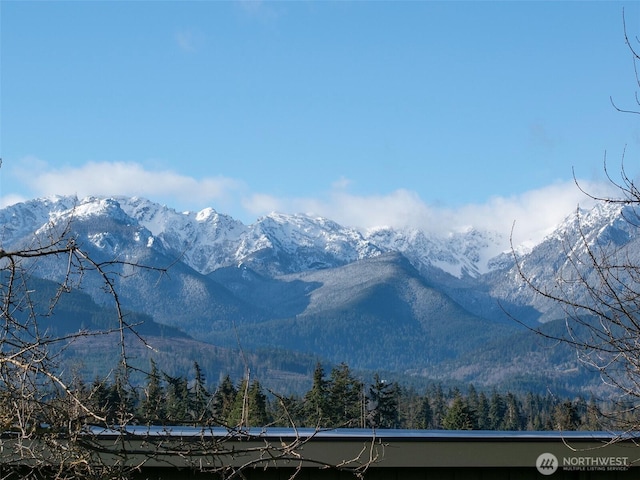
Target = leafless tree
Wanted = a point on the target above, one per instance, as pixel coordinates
(51, 425)
(598, 288)
(40, 401)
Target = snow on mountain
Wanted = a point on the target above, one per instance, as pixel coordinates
(21, 220)
(288, 275)
(204, 240)
(300, 242)
(93, 207)
(607, 229)
(102, 223)
(275, 244)
(459, 254)
(281, 243)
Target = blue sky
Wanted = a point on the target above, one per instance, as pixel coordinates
(433, 114)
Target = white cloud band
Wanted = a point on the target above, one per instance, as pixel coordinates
(535, 212)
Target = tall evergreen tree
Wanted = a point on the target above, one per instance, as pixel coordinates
(460, 416)
(178, 401)
(529, 411)
(102, 400)
(345, 398)
(250, 406)
(316, 400)
(512, 419)
(258, 415)
(565, 416)
(223, 401)
(287, 411)
(472, 399)
(152, 408)
(409, 408)
(438, 407)
(482, 411)
(425, 418)
(593, 416)
(497, 410)
(382, 404)
(113, 401)
(200, 397)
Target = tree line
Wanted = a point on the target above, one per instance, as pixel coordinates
(335, 400)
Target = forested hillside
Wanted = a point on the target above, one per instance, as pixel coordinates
(291, 290)
(336, 399)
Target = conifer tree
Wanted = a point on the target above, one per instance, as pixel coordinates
(257, 405)
(382, 404)
(316, 400)
(459, 416)
(250, 406)
(287, 411)
(152, 408)
(425, 417)
(409, 408)
(512, 419)
(593, 416)
(200, 397)
(178, 401)
(101, 400)
(565, 416)
(497, 410)
(223, 400)
(472, 398)
(438, 407)
(345, 398)
(113, 401)
(482, 411)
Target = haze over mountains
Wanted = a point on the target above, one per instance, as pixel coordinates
(293, 289)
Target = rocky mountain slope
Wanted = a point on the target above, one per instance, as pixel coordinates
(385, 299)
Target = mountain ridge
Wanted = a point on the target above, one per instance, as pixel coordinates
(199, 237)
(381, 299)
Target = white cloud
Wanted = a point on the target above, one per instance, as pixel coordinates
(11, 199)
(532, 214)
(400, 208)
(535, 212)
(121, 178)
(262, 204)
(341, 184)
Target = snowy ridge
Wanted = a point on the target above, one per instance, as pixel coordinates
(208, 240)
(275, 244)
(203, 240)
(23, 219)
(310, 242)
(461, 254)
(208, 245)
(305, 284)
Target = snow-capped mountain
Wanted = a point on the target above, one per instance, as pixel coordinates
(607, 229)
(23, 219)
(274, 244)
(280, 244)
(307, 283)
(204, 240)
(459, 254)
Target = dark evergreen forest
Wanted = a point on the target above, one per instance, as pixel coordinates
(336, 399)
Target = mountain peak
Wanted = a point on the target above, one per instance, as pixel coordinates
(96, 206)
(280, 243)
(309, 282)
